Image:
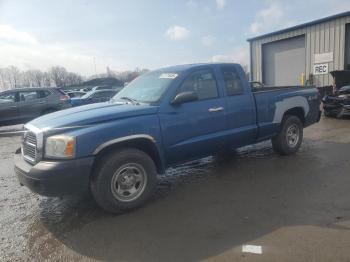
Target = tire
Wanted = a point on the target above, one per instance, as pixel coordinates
(290, 136)
(123, 180)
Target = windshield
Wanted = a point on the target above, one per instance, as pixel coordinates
(147, 88)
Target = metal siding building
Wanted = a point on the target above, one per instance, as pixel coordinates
(279, 58)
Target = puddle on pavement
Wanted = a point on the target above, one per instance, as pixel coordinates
(32, 214)
(26, 217)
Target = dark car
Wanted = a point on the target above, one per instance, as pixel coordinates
(73, 94)
(20, 105)
(337, 104)
(94, 97)
(105, 87)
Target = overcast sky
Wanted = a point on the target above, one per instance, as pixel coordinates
(148, 34)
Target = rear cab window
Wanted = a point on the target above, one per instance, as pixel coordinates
(232, 81)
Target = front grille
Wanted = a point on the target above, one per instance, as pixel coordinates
(31, 138)
(29, 149)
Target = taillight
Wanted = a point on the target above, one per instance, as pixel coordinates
(64, 97)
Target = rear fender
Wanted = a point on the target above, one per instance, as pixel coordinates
(290, 103)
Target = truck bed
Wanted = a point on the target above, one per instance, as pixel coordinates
(272, 101)
(275, 88)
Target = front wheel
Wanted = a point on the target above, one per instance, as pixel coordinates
(124, 180)
(289, 138)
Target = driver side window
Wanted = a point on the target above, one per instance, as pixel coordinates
(202, 83)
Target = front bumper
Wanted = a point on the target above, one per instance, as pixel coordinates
(338, 110)
(345, 110)
(55, 178)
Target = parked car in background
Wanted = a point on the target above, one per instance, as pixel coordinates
(162, 118)
(106, 87)
(337, 104)
(93, 97)
(73, 94)
(20, 105)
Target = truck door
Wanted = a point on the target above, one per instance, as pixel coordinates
(240, 107)
(195, 128)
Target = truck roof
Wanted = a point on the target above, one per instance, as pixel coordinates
(180, 68)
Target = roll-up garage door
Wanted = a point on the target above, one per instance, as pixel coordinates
(347, 47)
(284, 61)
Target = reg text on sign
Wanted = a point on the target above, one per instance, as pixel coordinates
(320, 69)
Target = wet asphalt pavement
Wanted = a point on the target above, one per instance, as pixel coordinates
(297, 208)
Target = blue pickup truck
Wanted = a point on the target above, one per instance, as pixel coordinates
(116, 149)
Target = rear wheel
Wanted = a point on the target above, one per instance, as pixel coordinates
(290, 136)
(124, 180)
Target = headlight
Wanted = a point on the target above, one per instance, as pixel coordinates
(60, 146)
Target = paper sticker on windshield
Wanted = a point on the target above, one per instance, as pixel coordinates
(168, 75)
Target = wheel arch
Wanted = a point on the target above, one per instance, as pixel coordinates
(144, 143)
(296, 111)
(296, 105)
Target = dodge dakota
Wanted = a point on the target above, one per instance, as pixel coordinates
(116, 149)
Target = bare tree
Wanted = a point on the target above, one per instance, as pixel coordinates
(37, 77)
(59, 75)
(73, 79)
(13, 75)
(26, 79)
(3, 78)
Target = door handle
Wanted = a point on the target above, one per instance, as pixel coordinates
(216, 109)
(13, 106)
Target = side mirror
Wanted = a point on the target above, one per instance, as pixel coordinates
(184, 97)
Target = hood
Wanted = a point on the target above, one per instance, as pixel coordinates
(345, 90)
(341, 77)
(91, 114)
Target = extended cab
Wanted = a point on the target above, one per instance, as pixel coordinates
(116, 149)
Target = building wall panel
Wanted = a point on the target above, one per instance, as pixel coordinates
(328, 36)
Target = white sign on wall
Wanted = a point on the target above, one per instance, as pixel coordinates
(320, 69)
(323, 58)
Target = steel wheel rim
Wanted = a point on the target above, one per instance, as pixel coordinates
(292, 135)
(128, 182)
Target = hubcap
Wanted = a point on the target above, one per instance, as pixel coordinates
(292, 135)
(128, 182)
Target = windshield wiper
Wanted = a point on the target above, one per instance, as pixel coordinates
(133, 101)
